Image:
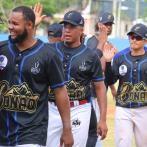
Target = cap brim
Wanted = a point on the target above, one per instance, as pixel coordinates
(130, 33)
(103, 22)
(69, 21)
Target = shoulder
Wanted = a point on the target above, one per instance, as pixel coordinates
(92, 43)
(4, 43)
(124, 51)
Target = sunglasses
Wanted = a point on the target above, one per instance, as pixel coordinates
(138, 38)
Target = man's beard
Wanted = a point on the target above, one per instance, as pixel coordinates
(68, 43)
(19, 38)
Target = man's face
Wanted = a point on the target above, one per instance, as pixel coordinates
(109, 27)
(17, 27)
(71, 33)
(136, 43)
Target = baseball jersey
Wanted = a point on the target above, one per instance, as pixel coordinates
(24, 80)
(132, 74)
(81, 65)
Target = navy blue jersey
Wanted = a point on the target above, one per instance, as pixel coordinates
(132, 74)
(81, 65)
(24, 80)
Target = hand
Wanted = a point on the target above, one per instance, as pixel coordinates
(67, 139)
(108, 53)
(38, 10)
(102, 38)
(113, 91)
(103, 127)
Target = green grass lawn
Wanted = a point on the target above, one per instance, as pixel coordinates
(110, 140)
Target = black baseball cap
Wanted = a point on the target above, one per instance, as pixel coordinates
(56, 28)
(140, 30)
(106, 17)
(73, 17)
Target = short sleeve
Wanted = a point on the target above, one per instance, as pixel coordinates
(99, 52)
(96, 70)
(55, 72)
(92, 43)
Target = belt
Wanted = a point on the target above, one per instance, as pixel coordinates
(73, 103)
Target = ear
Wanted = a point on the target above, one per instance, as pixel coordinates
(99, 24)
(81, 30)
(29, 25)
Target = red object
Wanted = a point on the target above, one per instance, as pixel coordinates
(72, 103)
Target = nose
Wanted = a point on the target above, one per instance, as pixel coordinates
(10, 26)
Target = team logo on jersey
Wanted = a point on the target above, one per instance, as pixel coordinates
(3, 62)
(122, 70)
(75, 90)
(83, 67)
(36, 69)
(17, 98)
(130, 93)
(76, 122)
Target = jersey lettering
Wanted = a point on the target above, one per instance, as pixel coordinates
(17, 98)
(130, 93)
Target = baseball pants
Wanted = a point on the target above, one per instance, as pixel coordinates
(97, 112)
(80, 119)
(25, 145)
(127, 121)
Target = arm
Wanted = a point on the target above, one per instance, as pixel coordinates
(113, 91)
(38, 11)
(64, 110)
(102, 101)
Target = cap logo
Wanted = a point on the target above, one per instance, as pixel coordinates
(100, 18)
(70, 15)
(109, 16)
(81, 22)
(137, 28)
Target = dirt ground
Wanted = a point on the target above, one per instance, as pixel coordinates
(111, 111)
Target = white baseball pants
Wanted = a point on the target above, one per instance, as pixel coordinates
(80, 118)
(127, 121)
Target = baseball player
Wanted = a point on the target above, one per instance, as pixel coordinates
(131, 100)
(27, 68)
(55, 33)
(80, 66)
(106, 20)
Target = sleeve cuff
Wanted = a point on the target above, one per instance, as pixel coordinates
(58, 85)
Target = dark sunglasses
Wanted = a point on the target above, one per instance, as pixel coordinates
(138, 38)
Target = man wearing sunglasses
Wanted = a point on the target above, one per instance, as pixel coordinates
(131, 100)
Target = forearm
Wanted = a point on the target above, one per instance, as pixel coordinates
(35, 28)
(109, 75)
(101, 45)
(102, 99)
(112, 87)
(103, 63)
(63, 107)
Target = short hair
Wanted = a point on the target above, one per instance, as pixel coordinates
(27, 13)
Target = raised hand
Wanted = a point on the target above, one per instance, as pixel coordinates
(38, 11)
(102, 35)
(108, 53)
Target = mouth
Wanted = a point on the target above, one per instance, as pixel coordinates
(67, 37)
(13, 34)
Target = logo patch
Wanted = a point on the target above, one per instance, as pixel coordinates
(76, 122)
(122, 70)
(109, 16)
(83, 67)
(81, 22)
(3, 62)
(36, 69)
(70, 15)
(100, 18)
(137, 28)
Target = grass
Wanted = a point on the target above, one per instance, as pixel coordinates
(110, 140)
